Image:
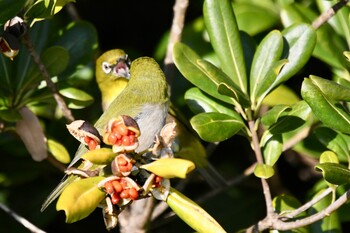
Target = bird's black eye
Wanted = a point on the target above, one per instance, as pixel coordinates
(106, 67)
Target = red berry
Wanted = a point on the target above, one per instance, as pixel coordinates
(92, 144)
(132, 139)
(117, 186)
(87, 139)
(115, 198)
(122, 129)
(109, 187)
(133, 193)
(125, 194)
(126, 141)
(122, 161)
(112, 138)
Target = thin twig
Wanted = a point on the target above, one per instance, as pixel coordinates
(31, 227)
(177, 26)
(260, 160)
(324, 17)
(46, 76)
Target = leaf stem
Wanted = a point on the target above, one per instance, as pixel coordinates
(46, 76)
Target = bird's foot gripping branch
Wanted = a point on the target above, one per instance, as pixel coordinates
(112, 175)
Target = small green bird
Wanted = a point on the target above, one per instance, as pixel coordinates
(145, 98)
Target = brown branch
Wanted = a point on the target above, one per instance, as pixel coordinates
(274, 221)
(260, 160)
(177, 26)
(46, 76)
(324, 17)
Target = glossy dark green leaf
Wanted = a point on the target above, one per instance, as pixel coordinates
(58, 151)
(334, 173)
(273, 114)
(264, 171)
(268, 52)
(333, 141)
(330, 114)
(300, 41)
(291, 120)
(80, 198)
(331, 89)
(80, 40)
(254, 18)
(77, 98)
(10, 9)
(200, 102)
(221, 24)
(284, 203)
(39, 10)
(214, 127)
(186, 61)
(272, 149)
(9, 115)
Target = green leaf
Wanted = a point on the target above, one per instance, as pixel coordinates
(334, 173)
(282, 95)
(268, 52)
(264, 171)
(100, 156)
(332, 115)
(55, 59)
(301, 40)
(254, 18)
(347, 55)
(329, 157)
(284, 203)
(10, 9)
(80, 198)
(170, 167)
(192, 214)
(186, 61)
(331, 89)
(213, 127)
(273, 114)
(221, 24)
(80, 40)
(200, 102)
(272, 149)
(77, 98)
(58, 151)
(333, 141)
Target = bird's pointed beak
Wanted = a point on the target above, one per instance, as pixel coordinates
(122, 67)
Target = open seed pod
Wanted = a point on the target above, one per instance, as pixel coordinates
(86, 133)
(122, 165)
(122, 133)
(121, 190)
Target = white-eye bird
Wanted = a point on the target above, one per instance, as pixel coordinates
(145, 98)
(111, 76)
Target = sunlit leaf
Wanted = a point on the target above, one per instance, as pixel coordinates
(334, 173)
(281, 95)
(213, 127)
(191, 213)
(273, 114)
(58, 151)
(200, 102)
(264, 171)
(331, 89)
(268, 52)
(329, 157)
(80, 198)
(332, 115)
(77, 97)
(221, 24)
(100, 156)
(170, 167)
(272, 149)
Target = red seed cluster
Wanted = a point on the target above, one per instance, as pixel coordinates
(92, 144)
(120, 189)
(121, 135)
(123, 164)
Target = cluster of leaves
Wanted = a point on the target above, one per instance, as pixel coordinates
(228, 96)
